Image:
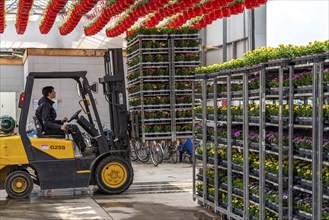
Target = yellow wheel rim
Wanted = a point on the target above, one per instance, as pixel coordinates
(19, 185)
(114, 175)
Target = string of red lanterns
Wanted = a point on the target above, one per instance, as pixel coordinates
(106, 15)
(50, 15)
(190, 12)
(2, 16)
(24, 7)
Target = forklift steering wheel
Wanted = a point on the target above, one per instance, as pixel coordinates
(75, 116)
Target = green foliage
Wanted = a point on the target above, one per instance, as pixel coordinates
(263, 55)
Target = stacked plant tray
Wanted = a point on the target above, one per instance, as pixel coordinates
(160, 73)
(266, 153)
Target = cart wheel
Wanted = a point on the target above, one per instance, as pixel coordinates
(18, 184)
(114, 175)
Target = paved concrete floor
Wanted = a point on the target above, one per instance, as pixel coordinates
(163, 192)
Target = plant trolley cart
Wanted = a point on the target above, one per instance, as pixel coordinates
(160, 74)
(265, 140)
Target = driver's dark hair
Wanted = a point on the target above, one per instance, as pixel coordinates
(46, 90)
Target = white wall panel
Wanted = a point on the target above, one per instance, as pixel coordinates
(12, 80)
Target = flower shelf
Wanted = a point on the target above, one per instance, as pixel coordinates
(326, 190)
(309, 59)
(303, 215)
(304, 120)
(300, 133)
(237, 167)
(254, 93)
(274, 177)
(275, 91)
(307, 153)
(237, 192)
(254, 119)
(275, 148)
(275, 207)
(223, 186)
(254, 198)
(303, 89)
(199, 157)
(254, 145)
(307, 184)
(238, 212)
(275, 119)
(211, 160)
(237, 118)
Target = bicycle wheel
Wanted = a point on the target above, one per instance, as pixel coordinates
(133, 155)
(142, 152)
(166, 150)
(174, 154)
(159, 151)
(153, 154)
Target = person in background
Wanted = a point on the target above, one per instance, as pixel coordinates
(185, 146)
(46, 115)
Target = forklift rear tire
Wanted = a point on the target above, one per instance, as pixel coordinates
(114, 175)
(19, 184)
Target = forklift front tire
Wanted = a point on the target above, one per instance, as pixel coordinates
(114, 175)
(18, 184)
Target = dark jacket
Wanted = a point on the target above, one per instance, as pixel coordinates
(46, 114)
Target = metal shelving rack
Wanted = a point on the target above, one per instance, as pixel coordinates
(168, 48)
(266, 191)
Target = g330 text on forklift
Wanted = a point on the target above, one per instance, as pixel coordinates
(49, 161)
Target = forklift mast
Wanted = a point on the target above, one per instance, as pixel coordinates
(114, 90)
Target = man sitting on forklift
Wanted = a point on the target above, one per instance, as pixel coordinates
(46, 115)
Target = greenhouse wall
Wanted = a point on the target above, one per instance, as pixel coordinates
(237, 31)
(11, 80)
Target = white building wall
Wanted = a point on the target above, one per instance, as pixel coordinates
(11, 80)
(237, 30)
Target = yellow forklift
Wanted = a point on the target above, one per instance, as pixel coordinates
(50, 161)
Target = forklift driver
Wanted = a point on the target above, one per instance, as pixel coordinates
(46, 115)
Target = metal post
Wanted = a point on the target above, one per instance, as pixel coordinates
(229, 147)
(193, 139)
(291, 145)
(320, 140)
(142, 89)
(280, 182)
(216, 144)
(204, 39)
(204, 138)
(172, 88)
(314, 143)
(245, 147)
(251, 29)
(262, 144)
(224, 40)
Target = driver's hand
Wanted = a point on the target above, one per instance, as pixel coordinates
(65, 119)
(63, 127)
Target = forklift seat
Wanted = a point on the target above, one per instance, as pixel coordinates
(40, 132)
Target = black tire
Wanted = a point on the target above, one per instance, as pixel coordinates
(114, 175)
(19, 184)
